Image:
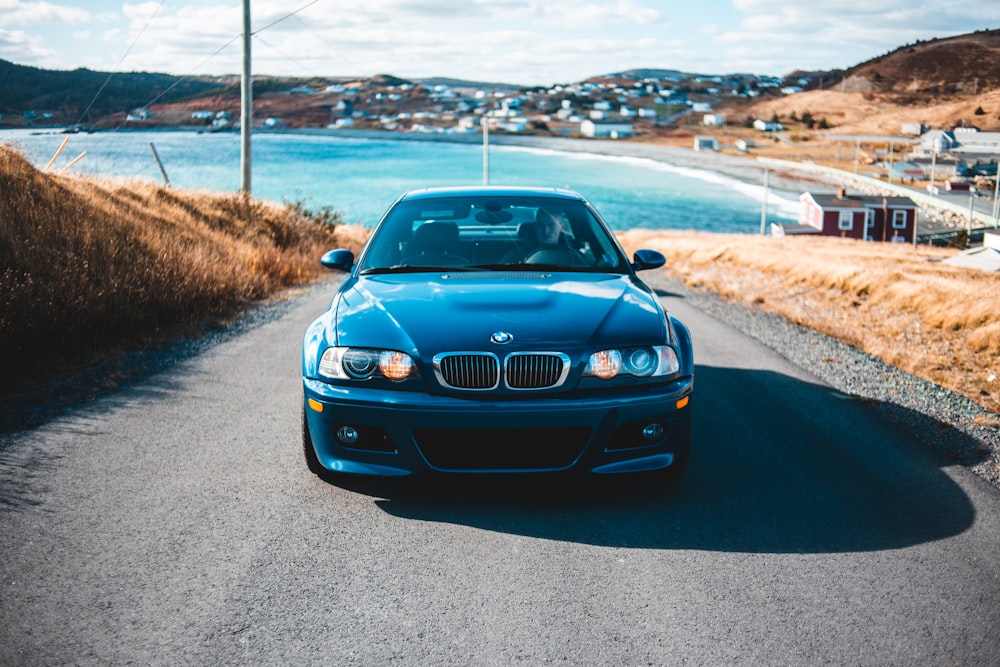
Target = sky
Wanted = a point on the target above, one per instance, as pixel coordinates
(524, 42)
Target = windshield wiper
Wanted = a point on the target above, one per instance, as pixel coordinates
(407, 268)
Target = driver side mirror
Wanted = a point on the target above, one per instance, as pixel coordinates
(648, 259)
(338, 260)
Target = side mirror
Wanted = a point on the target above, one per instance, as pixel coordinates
(648, 259)
(338, 260)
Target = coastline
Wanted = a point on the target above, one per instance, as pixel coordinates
(745, 169)
(783, 178)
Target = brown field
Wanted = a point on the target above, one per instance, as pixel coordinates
(897, 303)
(90, 267)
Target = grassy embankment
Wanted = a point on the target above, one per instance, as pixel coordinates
(897, 303)
(90, 268)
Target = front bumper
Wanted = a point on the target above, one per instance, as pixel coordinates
(404, 433)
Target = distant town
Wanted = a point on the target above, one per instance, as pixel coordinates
(618, 106)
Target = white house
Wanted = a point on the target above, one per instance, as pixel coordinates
(767, 126)
(606, 129)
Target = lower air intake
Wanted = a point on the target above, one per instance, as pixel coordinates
(502, 449)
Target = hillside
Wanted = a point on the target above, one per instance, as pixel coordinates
(85, 96)
(926, 72)
(92, 269)
(943, 83)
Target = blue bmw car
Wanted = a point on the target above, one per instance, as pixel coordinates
(495, 330)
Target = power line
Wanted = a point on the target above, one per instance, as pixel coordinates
(285, 17)
(120, 61)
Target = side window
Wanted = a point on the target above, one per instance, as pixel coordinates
(846, 220)
(899, 219)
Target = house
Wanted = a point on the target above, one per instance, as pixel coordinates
(985, 257)
(871, 218)
(606, 129)
(903, 172)
(767, 126)
(913, 129)
(706, 143)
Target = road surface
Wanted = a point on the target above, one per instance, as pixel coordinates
(175, 523)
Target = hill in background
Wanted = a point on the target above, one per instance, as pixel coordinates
(943, 83)
(84, 96)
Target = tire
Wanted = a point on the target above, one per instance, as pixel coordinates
(312, 461)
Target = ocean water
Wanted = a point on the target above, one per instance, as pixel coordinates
(362, 177)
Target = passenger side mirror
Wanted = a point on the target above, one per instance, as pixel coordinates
(648, 259)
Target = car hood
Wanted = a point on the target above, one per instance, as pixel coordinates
(427, 313)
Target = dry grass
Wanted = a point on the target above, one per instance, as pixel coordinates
(90, 266)
(895, 302)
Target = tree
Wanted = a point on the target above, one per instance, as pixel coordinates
(979, 111)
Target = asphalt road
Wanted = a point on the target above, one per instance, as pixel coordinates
(175, 523)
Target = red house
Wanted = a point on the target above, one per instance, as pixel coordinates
(858, 217)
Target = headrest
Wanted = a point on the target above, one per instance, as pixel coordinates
(526, 231)
(436, 235)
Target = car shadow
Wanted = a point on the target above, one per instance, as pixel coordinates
(778, 465)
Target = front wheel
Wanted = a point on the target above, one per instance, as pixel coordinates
(312, 461)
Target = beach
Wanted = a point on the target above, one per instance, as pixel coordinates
(743, 168)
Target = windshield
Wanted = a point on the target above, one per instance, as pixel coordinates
(492, 232)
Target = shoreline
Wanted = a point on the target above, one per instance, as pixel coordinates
(745, 169)
(785, 178)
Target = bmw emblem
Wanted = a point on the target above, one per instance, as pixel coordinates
(501, 337)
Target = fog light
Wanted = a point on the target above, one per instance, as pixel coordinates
(652, 432)
(348, 435)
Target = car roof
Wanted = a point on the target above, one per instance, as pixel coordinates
(490, 190)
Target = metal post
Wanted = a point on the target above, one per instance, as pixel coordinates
(763, 206)
(156, 156)
(972, 201)
(890, 164)
(996, 193)
(933, 171)
(246, 111)
(486, 149)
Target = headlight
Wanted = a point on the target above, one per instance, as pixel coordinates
(357, 363)
(651, 361)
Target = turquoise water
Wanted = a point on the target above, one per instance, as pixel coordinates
(361, 177)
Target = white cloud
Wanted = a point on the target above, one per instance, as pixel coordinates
(19, 46)
(804, 34)
(520, 41)
(17, 13)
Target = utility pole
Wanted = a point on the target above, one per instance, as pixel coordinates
(246, 111)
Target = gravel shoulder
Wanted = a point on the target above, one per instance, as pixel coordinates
(943, 421)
